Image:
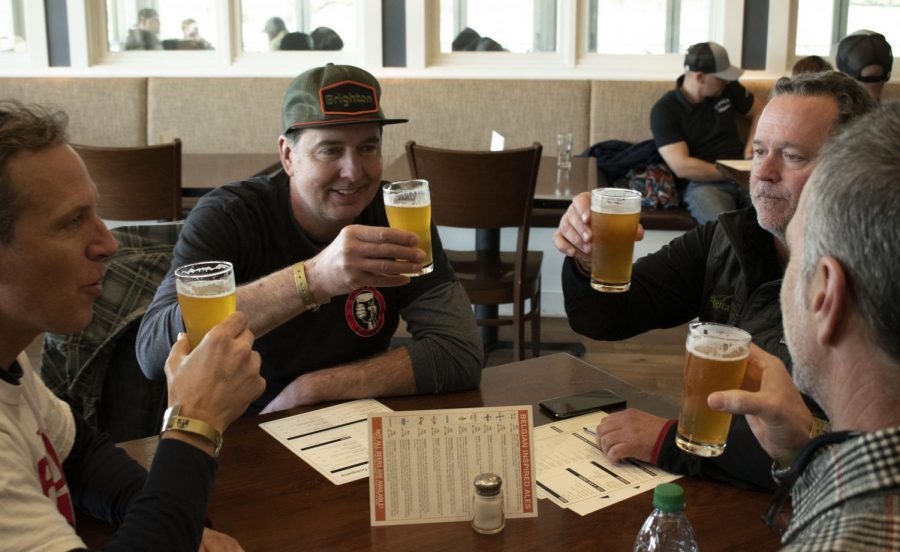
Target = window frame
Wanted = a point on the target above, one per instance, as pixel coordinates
(36, 54)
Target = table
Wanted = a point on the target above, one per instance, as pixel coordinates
(268, 499)
(738, 170)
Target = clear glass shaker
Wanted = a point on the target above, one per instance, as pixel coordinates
(487, 504)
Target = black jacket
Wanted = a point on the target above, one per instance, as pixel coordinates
(725, 271)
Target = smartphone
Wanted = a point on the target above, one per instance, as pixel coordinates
(582, 403)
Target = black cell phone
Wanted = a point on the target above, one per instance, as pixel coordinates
(582, 403)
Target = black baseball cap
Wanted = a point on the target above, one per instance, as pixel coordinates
(333, 95)
(712, 59)
(862, 49)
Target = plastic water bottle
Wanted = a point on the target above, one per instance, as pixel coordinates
(667, 529)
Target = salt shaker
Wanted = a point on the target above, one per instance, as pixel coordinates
(487, 504)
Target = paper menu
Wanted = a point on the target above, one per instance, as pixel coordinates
(424, 462)
(332, 440)
(573, 472)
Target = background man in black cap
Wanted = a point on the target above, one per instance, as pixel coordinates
(693, 126)
(316, 235)
(867, 57)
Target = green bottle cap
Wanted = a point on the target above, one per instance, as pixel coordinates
(668, 497)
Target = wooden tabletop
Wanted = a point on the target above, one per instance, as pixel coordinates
(738, 170)
(269, 499)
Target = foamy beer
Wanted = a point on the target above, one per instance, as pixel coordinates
(615, 214)
(408, 207)
(206, 296)
(715, 360)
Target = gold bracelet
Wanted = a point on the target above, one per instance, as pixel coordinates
(303, 288)
(173, 421)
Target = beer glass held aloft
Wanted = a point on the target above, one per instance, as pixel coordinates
(615, 215)
(206, 295)
(715, 360)
(408, 207)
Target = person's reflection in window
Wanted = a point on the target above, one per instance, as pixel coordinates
(192, 39)
(325, 38)
(145, 34)
(276, 30)
(296, 41)
(468, 40)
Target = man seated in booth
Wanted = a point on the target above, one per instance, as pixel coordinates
(694, 125)
(307, 245)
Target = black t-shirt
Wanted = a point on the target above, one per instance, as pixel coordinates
(251, 225)
(708, 127)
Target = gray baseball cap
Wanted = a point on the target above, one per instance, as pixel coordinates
(712, 59)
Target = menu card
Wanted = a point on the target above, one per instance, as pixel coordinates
(423, 463)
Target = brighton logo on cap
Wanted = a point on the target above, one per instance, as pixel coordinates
(348, 98)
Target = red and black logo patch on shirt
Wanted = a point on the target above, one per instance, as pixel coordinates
(364, 311)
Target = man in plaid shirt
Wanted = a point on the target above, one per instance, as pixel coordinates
(839, 299)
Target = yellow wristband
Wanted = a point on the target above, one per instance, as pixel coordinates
(303, 288)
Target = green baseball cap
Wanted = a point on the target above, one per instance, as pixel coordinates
(333, 95)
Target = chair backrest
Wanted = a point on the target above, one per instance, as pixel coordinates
(478, 189)
(141, 183)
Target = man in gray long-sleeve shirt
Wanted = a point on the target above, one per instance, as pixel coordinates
(320, 274)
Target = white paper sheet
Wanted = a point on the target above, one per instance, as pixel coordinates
(498, 142)
(573, 472)
(332, 440)
(424, 462)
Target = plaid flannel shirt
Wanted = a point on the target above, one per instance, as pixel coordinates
(848, 498)
(74, 366)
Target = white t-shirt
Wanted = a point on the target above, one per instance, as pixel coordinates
(37, 512)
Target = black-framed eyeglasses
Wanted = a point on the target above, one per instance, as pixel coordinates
(776, 518)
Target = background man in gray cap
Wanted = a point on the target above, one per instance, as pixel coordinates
(693, 126)
(867, 57)
(306, 243)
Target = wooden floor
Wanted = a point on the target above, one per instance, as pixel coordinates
(651, 361)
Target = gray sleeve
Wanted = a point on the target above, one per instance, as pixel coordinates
(159, 329)
(446, 351)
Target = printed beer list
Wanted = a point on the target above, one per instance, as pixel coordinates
(423, 463)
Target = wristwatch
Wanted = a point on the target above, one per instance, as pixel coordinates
(173, 420)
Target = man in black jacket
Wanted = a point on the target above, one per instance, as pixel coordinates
(726, 271)
(52, 463)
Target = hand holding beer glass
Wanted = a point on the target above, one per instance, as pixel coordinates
(715, 359)
(206, 295)
(408, 207)
(615, 215)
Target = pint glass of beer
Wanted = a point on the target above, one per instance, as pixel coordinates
(408, 207)
(206, 296)
(715, 360)
(615, 214)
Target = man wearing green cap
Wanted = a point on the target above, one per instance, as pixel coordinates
(309, 245)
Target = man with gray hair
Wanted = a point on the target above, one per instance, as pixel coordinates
(727, 271)
(842, 326)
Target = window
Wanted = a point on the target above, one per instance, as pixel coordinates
(298, 25)
(647, 26)
(517, 26)
(12, 27)
(161, 25)
(822, 23)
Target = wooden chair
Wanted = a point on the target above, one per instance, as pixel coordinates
(489, 190)
(141, 183)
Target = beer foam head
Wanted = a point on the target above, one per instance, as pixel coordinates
(718, 341)
(407, 193)
(205, 279)
(615, 201)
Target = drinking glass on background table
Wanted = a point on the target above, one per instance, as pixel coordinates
(615, 214)
(206, 295)
(408, 207)
(715, 360)
(564, 150)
